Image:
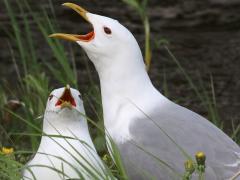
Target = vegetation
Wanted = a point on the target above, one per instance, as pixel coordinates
(141, 7)
(22, 108)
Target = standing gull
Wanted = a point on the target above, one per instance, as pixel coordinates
(154, 135)
(66, 150)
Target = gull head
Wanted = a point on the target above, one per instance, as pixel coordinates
(108, 43)
(64, 101)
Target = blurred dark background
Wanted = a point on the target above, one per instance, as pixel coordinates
(203, 35)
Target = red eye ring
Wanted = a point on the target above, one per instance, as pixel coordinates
(50, 97)
(107, 30)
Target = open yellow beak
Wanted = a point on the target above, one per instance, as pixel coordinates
(66, 100)
(82, 12)
(74, 37)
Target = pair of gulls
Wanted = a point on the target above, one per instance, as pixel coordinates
(147, 128)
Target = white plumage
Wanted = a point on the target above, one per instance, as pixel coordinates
(145, 125)
(71, 154)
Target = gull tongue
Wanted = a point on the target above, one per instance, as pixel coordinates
(66, 100)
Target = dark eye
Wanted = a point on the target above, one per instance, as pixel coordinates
(107, 30)
(50, 97)
(80, 96)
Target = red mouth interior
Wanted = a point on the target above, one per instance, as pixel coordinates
(66, 97)
(87, 37)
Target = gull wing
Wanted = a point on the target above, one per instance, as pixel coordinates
(163, 139)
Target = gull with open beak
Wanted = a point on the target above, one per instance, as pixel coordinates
(154, 135)
(66, 150)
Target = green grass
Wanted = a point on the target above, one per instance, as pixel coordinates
(33, 85)
(141, 8)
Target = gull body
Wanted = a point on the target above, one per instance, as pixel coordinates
(66, 150)
(148, 128)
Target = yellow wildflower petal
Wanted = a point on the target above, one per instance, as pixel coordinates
(7, 151)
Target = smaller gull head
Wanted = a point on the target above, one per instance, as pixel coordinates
(64, 100)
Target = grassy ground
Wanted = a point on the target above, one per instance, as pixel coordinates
(22, 108)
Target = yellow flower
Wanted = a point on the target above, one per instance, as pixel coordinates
(200, 158)
(189, 166)
(7, 151)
